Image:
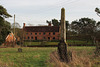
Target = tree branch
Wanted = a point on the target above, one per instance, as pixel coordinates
(98, 14)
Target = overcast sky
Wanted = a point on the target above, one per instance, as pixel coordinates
(36, 12)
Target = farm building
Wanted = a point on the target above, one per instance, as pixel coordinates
(47, 33)
(10, 39)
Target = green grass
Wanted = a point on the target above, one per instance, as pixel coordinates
(51, 43)
(78, 42)
(56, 43)
(88, 49)
(32, 43)
(39, 43)
(38, 57)
(30, 57)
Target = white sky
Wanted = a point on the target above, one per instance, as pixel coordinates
(36, 12)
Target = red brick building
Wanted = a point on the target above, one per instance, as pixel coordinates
(48, 33)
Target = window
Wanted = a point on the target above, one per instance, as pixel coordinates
(44, 38)
(26, 33)
(35, 38)
(53, 33)
(31, 33)
(32, 37)
(44, 33)
(39, 33)
(53, 38)
(48, 38)
(49, 33)
(35, 33)
(28, 37)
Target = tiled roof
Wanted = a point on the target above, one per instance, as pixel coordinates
(10, 37)
(41, 28)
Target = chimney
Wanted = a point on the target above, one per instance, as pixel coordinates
(23, 24)
(49, 24)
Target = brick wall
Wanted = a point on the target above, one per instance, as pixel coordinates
(41, 36)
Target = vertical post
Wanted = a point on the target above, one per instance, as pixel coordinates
(63, 25)
(14, 31)
(62, 47)
(14, 24)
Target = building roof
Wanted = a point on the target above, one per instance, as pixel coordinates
(41, 28)
(10, 37)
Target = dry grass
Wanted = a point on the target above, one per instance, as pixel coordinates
(3, 64)
(80, 58)
(80, 61)
(54, 60)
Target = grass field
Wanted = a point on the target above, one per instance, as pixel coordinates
(39, 57)
(30, 57)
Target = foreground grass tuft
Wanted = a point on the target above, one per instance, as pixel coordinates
(81, 57)
(30, 57)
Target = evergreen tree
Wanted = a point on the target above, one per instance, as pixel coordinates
(4, 25)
